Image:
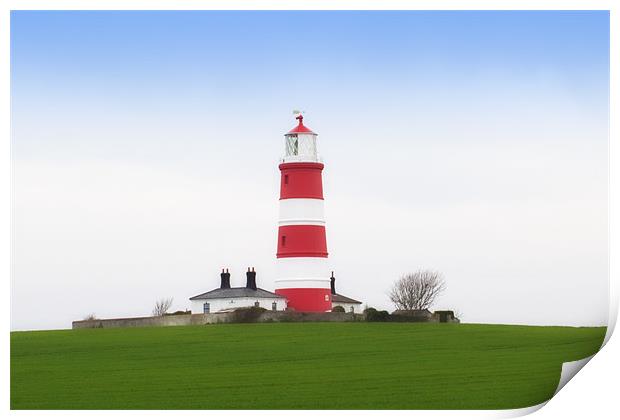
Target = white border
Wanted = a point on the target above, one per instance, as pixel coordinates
(308, 5)
(614, 208)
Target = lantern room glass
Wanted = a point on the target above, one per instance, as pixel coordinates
(292, 145)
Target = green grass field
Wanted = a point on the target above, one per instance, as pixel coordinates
(294, 365)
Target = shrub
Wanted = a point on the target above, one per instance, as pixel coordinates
(372, 315)
(178, 313)
(369, 309)
(383, 316)
(247, 315)
(338, 309)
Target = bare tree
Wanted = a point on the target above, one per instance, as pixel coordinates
(417, 290)
(90, 317)
(162, 306)
(458, 313)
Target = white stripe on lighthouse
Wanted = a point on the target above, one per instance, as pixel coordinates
(301, 211)
(302, 273)
(302, 268)
(303, 284)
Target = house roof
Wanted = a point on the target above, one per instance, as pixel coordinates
(236, 292)
(343, 299)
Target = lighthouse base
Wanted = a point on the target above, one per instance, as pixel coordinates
(307, 300)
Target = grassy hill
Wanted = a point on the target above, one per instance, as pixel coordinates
(294, 365)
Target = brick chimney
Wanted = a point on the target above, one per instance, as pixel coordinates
(225, 279)
(251, 279)
(333, 283)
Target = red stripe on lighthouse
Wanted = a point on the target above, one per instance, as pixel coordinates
(301, 241)
(301, 180)
(308, 300)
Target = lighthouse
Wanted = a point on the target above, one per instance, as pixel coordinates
(302, 264)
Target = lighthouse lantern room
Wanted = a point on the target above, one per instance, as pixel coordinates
(302, 267)
(300, 144)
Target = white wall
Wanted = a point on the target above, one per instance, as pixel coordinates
(221, 304)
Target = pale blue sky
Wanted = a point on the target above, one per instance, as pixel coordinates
(145, 148)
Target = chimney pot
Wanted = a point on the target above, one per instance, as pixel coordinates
(333, 283)
(225, 280)
(251, 279)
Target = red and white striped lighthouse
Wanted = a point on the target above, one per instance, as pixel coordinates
(302, 271)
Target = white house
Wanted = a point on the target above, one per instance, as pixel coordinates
(349, 304)
(229, 298)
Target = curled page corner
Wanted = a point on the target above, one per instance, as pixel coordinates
(613, 316)
(570, 369)
(520, 412)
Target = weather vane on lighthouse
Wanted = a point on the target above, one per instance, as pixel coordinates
(298, 114)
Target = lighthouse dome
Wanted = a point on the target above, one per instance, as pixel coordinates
(301, 128)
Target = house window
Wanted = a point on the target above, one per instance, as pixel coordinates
(286, 179)
(256, 304)
(206, 308)
(352, 310)
(274, 306)
(283, 240)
